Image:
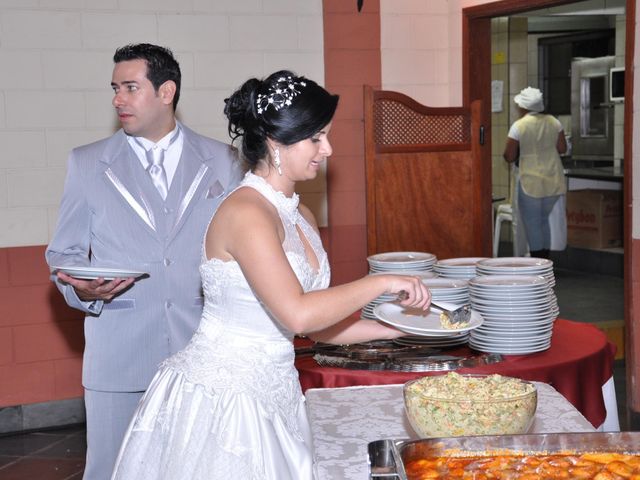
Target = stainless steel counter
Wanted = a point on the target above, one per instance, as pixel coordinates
(610, 173)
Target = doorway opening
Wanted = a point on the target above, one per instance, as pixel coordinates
(481, 69)
(567, 52)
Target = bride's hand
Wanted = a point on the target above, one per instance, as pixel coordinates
(410, 290)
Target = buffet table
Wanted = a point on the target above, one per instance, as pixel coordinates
(345, 420)
(578, 364)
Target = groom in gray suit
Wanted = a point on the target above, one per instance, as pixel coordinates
(139, 200)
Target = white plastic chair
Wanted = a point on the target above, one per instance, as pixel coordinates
(503, 214)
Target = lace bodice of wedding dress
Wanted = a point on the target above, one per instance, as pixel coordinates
(239, 345)
(228, 296)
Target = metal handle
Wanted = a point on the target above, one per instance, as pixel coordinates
(481, 134)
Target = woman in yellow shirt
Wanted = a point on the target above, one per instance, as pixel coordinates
(536, 141)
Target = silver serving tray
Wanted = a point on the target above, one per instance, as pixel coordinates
(387, 355)
(408, 363)
(388, 457)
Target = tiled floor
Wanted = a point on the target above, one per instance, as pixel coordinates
(59, 454)
(47, 455)
(598, 299)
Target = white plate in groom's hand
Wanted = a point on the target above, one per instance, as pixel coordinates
(91, 273)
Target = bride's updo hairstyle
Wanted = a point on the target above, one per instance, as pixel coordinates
(283, 107)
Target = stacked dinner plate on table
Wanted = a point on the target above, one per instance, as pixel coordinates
(518, 313)
(400, 263)
(462, 267)
(521, 266)
(448, 290)
(367, 311)
(433, 342)
(517, 266)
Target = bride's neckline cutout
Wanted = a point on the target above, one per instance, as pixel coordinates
(288, 208)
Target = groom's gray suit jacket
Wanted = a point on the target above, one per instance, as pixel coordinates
(112, 216)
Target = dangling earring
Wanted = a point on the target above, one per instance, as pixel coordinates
(276, 160)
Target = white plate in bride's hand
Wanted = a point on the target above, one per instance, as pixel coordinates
(418, 322)
(91, 273)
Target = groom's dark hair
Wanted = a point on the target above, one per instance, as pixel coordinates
(161, 64)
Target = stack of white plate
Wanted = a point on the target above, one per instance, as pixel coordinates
(449, 290)
(521, 266)
(462, 267)
(517, 266)
(401, 261)
(435, 342)
(367, 311)
(518, 313)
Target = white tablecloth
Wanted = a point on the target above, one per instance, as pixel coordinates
(611, 422)
(345, 420)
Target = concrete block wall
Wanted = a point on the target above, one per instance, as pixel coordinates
(417, 39)
(56, 62)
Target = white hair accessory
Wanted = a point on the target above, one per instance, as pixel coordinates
(530, 99)
(279, 94)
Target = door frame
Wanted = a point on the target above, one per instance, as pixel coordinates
(476, 78)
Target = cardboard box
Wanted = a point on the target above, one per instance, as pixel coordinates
(594, 218)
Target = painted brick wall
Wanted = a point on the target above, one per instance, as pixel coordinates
(352, 59)
(41, 339)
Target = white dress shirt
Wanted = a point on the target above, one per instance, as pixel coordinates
(171, 155)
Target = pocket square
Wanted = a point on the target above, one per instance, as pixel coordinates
(216, 190)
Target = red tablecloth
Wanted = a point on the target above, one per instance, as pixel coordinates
(578, 363)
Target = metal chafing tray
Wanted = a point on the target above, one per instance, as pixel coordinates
(388, 457)
(387, 355)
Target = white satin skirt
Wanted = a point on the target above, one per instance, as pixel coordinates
(181, 431)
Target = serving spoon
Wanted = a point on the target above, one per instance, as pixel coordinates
(457, 316)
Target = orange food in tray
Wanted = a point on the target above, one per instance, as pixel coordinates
(595, 466)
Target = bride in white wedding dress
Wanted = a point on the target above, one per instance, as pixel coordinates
(230, 405)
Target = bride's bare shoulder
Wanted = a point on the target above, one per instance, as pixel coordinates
(243, 216)
(245, 204)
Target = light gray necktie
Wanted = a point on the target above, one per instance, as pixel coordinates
(155, 168)
(155, 157)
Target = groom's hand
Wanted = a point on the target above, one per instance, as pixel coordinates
(97, 289)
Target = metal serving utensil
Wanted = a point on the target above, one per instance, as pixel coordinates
(457, 316)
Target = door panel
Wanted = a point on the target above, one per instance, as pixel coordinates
(423, 188)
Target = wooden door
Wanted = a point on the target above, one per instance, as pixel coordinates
(425, 177)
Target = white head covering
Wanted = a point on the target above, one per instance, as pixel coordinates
(530, 99)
